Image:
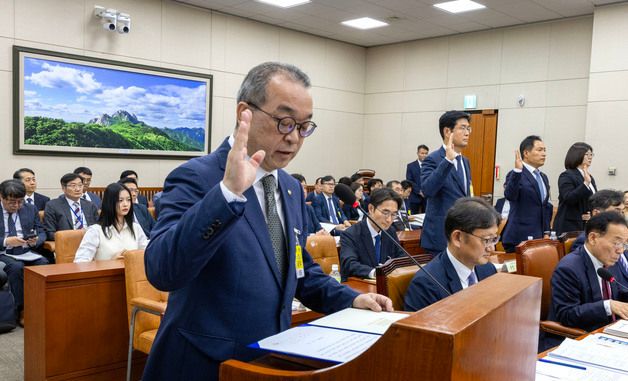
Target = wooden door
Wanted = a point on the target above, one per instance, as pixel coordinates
(481, 151)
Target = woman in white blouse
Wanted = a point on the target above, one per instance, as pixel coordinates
(115, 231)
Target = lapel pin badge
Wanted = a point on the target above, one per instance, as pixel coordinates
(289, 192)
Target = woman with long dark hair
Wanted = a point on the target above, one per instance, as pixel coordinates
(115, 232)
(575, 186)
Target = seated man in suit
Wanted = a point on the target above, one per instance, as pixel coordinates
(141, 215)
(318, 189)
(528, 191)
(27, 176)
(471, 229)
(413, 174)
(313, 226)
(86, 175)
(141, 199)
(607, 200)
(580, 298)
(363, 244)
(401, 221)
(445, 177)
(69, 211)
(21, 231)
(327, 206)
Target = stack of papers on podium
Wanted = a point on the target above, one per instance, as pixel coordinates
(620, 328)
(337, 338)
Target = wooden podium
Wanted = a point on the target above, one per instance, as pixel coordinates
(484, 333)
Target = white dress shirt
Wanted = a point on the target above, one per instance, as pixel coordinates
(18, 227)
(596, 265)
(462, 270)
(531, 169)
(96, 246)
(31, 197)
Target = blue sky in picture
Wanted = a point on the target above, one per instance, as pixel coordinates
(78, 93)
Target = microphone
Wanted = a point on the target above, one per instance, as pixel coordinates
(607, 276)
(347, 196)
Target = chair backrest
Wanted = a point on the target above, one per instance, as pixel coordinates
(539, 258)
(67, 243)
(41, 216)
(151, 210)
(322, 249)
(137, 285)
(568, 238)
(394, 277)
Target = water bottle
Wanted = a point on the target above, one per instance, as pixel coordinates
(530, 238)
(553, 236)
(335, 273)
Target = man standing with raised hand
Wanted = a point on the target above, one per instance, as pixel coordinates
(229, 243)
(445, 177)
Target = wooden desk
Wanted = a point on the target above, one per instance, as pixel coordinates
(76, 322)
(410, 240)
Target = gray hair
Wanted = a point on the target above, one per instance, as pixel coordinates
(12, 188)
(253, 88)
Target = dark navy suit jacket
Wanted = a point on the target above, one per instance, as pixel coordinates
(311, 220)
(217, 261)
(95, 199)
(322, 211)
(357, 257)
(573, 201)
(413, 175)
(441, 187)
(29, 220)
(58, 216)
(576, 293)
(422, 290)
(144, 218)
(528, 216)
(40, 200)
(619, 271)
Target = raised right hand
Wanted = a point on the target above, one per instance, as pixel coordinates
(518, 161)
(587, 175)
(450, 152)
(240, 171)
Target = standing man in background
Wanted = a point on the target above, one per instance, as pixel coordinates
(445, 177)
(528, 191)
(413, 174)
(229, 245)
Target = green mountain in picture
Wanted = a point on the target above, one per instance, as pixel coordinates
(122, 130)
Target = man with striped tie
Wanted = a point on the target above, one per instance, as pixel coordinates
(69, 211)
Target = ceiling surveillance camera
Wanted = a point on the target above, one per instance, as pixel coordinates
(124, 23)
(109, 17)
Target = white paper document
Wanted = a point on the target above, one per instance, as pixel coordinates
(321, 343)
(565, 370)
(601, 351)
(328, 227)
(28, 256)
(354, 319)
(620, 328)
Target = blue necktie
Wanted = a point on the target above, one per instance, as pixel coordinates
(17, 250)
(539, 181)
(332, 212)
(460, 173)
(378, 248)
(472, 279)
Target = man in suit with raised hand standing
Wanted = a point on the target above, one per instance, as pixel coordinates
(229, 245)
(445, 177)
(528, 191)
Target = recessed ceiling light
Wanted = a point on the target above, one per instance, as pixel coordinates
(364, 23)
(284, 3)
(459, 6)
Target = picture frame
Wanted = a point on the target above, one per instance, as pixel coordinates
(71, 105)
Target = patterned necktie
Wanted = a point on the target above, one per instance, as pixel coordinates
(16, 250)
(539, 181)
(606, 293)
(378, 248)
(275, 228)
(332, 211)
(460, 173)
(78, 224)
(472, 279)
(29, 201)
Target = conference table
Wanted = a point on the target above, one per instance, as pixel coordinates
(76, 325)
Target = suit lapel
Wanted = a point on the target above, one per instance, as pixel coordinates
(24, 220)
(535, 185)
(367, 240)
(67, 212)
(289, 202)
(591, 276)
(452, 276)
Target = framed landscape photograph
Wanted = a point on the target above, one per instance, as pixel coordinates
(65, 104)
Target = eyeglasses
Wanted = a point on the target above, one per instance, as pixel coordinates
(287, 124)
(388, 213)
(74, 186)
(14, 202)
(620, 245)
(487, 242)
(332, 184)
(467, 128)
